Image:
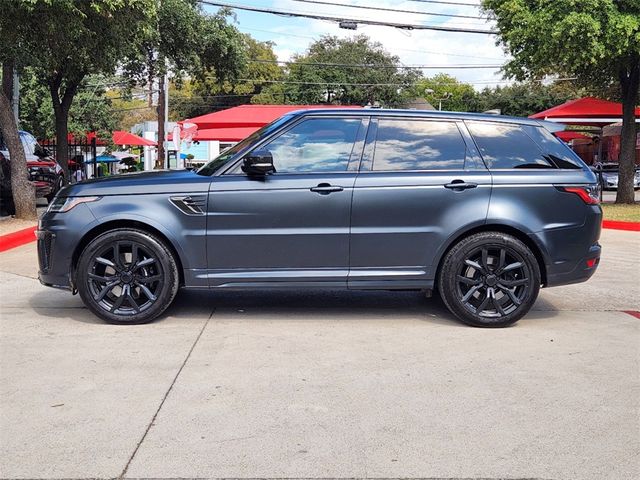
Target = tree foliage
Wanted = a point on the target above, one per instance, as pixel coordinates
(595, 41)
(384, 82)
(455, 95)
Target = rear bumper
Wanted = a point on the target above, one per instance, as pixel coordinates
(583, 270)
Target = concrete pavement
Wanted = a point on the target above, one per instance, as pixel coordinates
(328, 384)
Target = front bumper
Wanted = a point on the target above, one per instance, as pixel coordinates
(59, 234)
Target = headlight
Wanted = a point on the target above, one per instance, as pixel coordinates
(64, 204)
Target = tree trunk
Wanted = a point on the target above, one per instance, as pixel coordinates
(62, 142)
(630, 83)
(23, 191)
(61, 108)
(160, 161)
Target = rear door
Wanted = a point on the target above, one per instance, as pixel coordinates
(421, 182)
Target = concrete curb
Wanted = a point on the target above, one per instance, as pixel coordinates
(16, 239)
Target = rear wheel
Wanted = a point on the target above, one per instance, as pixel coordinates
(127, 276)
(489, 279)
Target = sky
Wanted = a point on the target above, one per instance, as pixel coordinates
(417, 47)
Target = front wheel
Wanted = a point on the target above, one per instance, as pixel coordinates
(127, 276)
(489, 279)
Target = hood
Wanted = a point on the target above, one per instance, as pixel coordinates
(158, 181)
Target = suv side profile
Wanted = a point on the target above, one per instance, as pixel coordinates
(483, 209)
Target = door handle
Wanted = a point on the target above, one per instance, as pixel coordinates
(460, 185)
(326, 188)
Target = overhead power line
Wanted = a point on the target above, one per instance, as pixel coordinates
(430, 52)
(477, 5)
(373, 65)
(395, 10)
(351, 21)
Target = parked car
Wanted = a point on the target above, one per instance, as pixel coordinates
(484, 209)
(41, 169)
(609, 173)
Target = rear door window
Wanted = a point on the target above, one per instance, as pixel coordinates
(504, 146)
(405, 144)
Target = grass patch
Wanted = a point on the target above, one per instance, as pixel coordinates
(623, 213)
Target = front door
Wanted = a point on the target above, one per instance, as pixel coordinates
(291, 226)
(422, 180)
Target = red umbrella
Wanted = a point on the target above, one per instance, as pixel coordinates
(231, 134)
(120, 137)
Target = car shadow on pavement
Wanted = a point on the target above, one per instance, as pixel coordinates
(273, 305)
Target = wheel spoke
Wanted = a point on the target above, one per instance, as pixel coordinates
(512, 295)
(471, 291)
(475, 265)
(511, 266)
(484, 303)
(106, 289)
(101, 279)
(151, 279)
(118, 303)
(468, 281)
(503, 254)
(514, 283)
(134, 254)
(485, 257)
(116, 256)
(144, 263)
(106, 262)
(496, 303)
(147, 292)
(132, 302)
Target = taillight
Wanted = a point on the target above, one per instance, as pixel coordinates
(590, 194)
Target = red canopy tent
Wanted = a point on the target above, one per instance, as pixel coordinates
(231, 134)
(249, 115)
(568, 135)
(120, 137)
(584, 111)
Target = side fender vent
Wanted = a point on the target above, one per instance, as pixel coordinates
(190, 205)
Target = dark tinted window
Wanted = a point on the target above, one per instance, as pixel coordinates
(555, 150)
(506, 146)
(403, 144)
(315, 145)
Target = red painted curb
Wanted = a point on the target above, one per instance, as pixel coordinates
(633, 313)
(16, 239)
(616, 225)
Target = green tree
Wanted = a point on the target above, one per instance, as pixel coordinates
(596, 41)
(198, 96)
(454, 94)
(353, 71)
(90, 111)
(523, 99)
(66, 40)
(184, 41)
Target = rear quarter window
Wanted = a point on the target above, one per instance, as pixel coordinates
(505, 146)
(554, 149)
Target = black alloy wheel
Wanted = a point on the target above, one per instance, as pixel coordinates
(127, 276)
(490, 279)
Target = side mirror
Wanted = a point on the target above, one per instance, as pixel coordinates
(258, 162)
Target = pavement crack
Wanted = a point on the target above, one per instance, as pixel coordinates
(166, 395)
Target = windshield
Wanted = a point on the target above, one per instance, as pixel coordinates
(215, 164)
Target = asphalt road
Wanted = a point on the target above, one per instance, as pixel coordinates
(317, 385)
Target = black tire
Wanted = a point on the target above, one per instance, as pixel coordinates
(127, 276)
(489, 279)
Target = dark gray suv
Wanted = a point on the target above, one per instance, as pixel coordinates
(484, 209)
